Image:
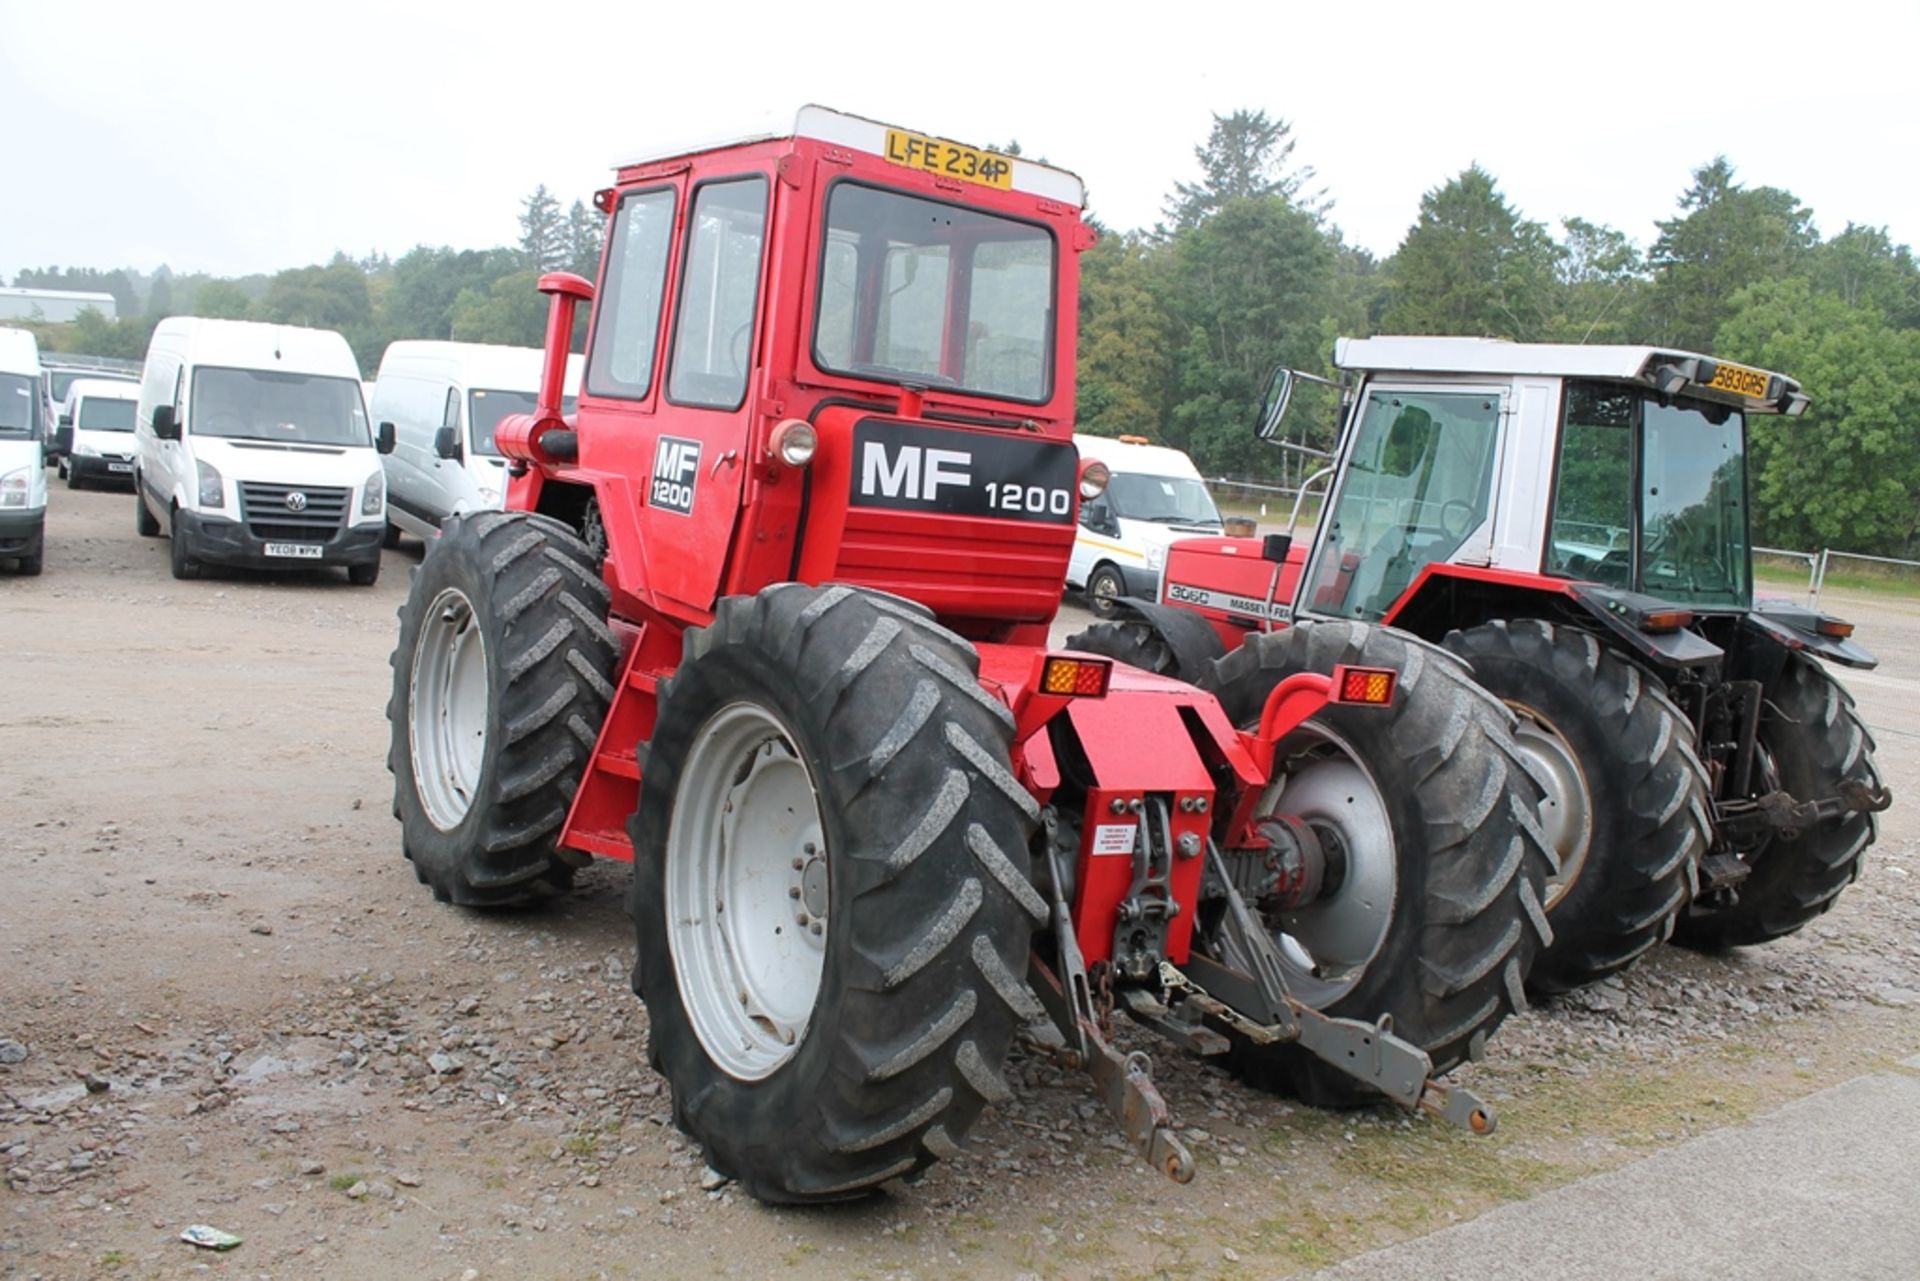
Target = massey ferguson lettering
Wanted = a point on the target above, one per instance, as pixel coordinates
(962, 473)
(1182, 594)
(676, 470)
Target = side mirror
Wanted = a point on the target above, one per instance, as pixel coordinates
(1274, 547)
(383, 438)
(446, 443)
(1273, 405)
(66, 419)
(63, 437)
(165, 425)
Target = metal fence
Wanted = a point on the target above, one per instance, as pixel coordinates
(1818, 563)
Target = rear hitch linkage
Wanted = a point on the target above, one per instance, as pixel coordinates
(1207, 991)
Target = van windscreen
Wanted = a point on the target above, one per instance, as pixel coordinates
(286, 408)
(104, 413)
(18, 394)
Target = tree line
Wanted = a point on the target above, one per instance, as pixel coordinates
(1248, 268)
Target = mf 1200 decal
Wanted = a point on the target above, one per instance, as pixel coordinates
(962, 473)
(676, 472)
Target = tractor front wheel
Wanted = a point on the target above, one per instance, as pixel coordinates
(1624, 802)
(501, 678)
(831, 892)
(1811, 744)
(1436, 915)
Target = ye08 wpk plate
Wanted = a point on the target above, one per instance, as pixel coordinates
(297, 551)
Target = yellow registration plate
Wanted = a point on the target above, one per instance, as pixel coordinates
(1739, 380)
(949, 159)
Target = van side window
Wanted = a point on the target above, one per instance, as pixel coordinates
(719, 291)
(627, 333)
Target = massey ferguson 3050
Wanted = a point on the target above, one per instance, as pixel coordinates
(1573, 522)
(878, 827)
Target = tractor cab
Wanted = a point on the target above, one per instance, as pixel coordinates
(838, 353)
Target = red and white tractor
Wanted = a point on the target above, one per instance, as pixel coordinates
(878, 826)
(1573, 521)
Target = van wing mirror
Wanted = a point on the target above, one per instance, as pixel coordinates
(165, 425)
(383, 438)
(63, 437)
(446, 443)
(1273, 405)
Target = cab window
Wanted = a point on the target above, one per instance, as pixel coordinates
(1418, 482)
(627, 334)
(719, 290)
(1592, 533)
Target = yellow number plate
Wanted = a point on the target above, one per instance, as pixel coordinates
(1740, 380)
(949, 159)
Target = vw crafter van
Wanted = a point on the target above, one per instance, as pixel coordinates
(254, 450)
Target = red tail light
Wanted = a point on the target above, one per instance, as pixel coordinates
(1366, 686)
(1076, 677)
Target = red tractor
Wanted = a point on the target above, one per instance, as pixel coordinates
(1573, 522)
(878, 826)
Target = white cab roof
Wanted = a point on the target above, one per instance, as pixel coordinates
(19, 352)
(1436, 355)
(1134, 459)
(845, 130)
(248, 344)
(103, 389)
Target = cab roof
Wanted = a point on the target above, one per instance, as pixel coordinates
(19, 351)
(857, 133)
(1663, 369)
(252, 344)
(103, 389)
(1135, 457)
(491, 366)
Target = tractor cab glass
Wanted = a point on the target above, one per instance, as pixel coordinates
(923, 293)
(1418, 483)
(1651, 497)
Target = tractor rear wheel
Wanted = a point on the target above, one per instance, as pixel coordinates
(501, 678)
(1811, 743)
(831, 891)
(1437, 915)
(1624, 802)
(1131, 642)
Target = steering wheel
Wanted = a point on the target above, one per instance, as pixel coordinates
(223, 423)
(1468, 519)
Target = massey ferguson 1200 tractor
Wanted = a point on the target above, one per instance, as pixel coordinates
(878, 826)
(1573, 521)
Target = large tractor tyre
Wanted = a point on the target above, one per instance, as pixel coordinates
(831, 891)
(1130, 641)
(1811, 742)
(1438, 913)
(1104, 586)
(1624, 804)
(501, 679)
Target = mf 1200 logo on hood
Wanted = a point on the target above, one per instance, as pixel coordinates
(962, 473)
(676, 473)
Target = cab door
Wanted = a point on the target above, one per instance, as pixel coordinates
(691, 494)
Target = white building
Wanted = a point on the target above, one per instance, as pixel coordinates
(58, 305)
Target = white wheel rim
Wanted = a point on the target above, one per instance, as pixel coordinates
(1327, 946)
(447, 708)
(747, 892)
(1566, 807)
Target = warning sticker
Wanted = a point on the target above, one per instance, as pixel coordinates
(1113, 838)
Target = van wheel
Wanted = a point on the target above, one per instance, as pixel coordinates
(392, 537)
(143, 522)
(72, 474)
(1104, 586)
(364, 575)
(184, 566)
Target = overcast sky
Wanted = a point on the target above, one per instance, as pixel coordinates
(270, 134)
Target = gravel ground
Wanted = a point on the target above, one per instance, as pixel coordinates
(228, 1002)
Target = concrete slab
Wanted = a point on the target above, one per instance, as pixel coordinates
(1828, 1186)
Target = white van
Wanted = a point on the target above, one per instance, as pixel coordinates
(444, 399)
(1156, 496)
(23, 466)
(254, 449)
(96, 431)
